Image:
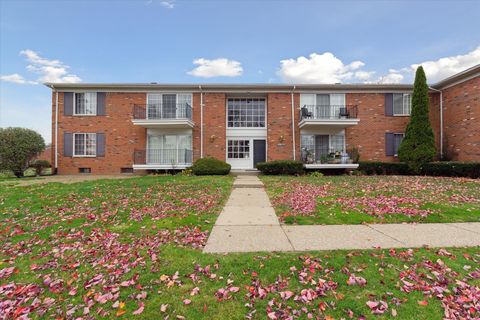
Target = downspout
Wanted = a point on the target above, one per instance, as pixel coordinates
(441, 121)
(201, 121)
(56, 131)
(293, 124)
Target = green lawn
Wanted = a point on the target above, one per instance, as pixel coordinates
(373, 199)
(132, 249)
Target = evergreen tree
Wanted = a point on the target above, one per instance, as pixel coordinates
(418, 145)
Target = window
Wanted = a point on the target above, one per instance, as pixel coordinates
(397, 140)
(169, 149)
(86, 103)
(238, 149)
(402, 104)
(84, 170)
(246, 113)
(169, 106)
(337, 143)
(84, 144)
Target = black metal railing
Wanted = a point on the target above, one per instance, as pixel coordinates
(163, 156)
(159, 111)
(325, 154)
(328, 112)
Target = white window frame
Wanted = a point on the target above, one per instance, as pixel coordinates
(247, 128)
(75, 104)
(405, 106)
(395, 154)
(162, 147)
(84, 155)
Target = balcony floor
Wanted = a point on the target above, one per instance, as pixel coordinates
(331, 166)
(153, 166)
(327, 123)
(164, 123)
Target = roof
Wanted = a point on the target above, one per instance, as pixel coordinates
(258, 87)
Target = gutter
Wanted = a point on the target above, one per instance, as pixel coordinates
(441, 121)
(201, 121)
(293, 124)
(51, 86)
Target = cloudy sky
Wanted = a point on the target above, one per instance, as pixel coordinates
(199, 41)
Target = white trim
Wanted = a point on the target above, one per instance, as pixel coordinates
(341, 123)
(293, 125)
(163, 123)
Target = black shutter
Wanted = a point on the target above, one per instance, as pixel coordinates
(389, 104)
(389, 144)
(101, 103)
(67, 144)
(68, 103)
(100, 144)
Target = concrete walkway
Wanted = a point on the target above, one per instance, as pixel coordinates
(248, 224)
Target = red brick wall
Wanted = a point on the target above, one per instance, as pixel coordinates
(279, 126)
(214, 134)
(461, 118)
(121, 136)
(369, 135)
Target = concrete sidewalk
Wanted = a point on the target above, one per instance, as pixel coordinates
(248, 224)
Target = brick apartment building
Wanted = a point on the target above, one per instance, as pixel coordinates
(123, 128)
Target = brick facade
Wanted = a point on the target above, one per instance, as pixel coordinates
(121, 136)
(461, 106)
(461, 114)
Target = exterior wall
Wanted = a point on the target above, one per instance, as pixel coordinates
(461, 118)
(369, 134)
(214, 116)
(279, 127)
(121, 136)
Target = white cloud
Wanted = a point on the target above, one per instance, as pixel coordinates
(216, 68)
(393, 76)
(47, 70)
(169, 4)
(16, 78)
(321, 68)
(364, 75)
(435, 70)
(445, 67)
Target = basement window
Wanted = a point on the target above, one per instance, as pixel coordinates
(126, 170)
(84, 170)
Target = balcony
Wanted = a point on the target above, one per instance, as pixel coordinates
(162, 159)
(331, 116)
(163, 115)
(323, 157)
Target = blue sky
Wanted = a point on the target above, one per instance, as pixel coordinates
(223, 41)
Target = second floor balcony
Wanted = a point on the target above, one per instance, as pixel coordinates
(163, 115)
(340, 116)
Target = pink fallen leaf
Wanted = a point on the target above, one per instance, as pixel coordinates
(187, 301)
(141, 306)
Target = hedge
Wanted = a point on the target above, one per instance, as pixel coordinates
(291, 167)
(445, 169)
(210, 166)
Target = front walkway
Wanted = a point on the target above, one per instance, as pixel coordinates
(248, 224)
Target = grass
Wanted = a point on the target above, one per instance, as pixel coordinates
(373, 199)
(58, 238)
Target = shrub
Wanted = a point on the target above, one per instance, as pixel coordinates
(40, 165)
(452, 169)
(388, 168)
(210, 166)
(418, 146)
(18, 146)
(291, 167)
(315, 174)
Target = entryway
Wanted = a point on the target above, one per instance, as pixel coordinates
(259, 151)
(245, 152)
